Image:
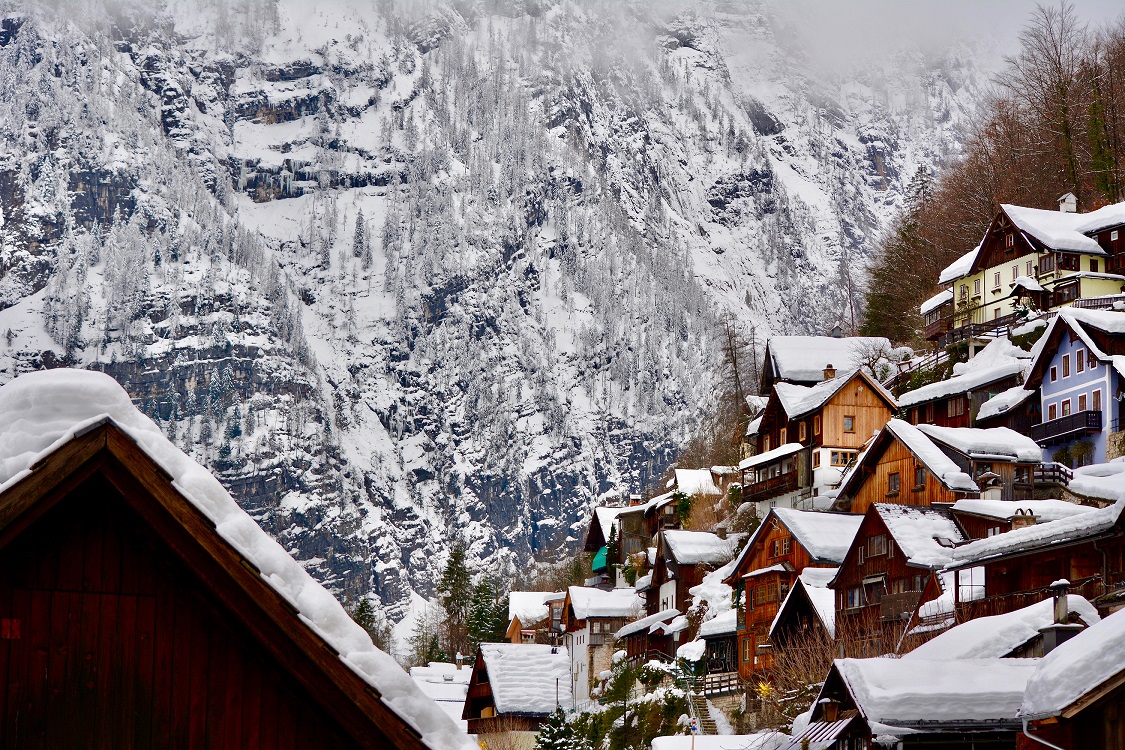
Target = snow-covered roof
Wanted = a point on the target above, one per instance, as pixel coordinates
(591, 602)
(606, 516)
(995, 443)
(1003, 402)
(936, 301)
(42, 411)
(1055, 229)
(959, 267)
(913, 692)
(761, 459)
(1077, 319)
(698, 547)
(922, 534)
(696, 482)
(530, 606)
(1075, 668)
(804, 358)
(799, 400)
(712, 591)
(826, 536)
(446, 685)
(784, 567)
(1107, 216)
(960, 384)
(935, 460)
(1044, 510)
(754, 426)
(768, 739)
(725, 624)
(645, 624)
(1105, 481)
(525, 676)
(1027, 283)
(999, 635)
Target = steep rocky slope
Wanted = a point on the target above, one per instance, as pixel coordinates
(416, 272)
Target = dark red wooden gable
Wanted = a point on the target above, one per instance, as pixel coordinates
(132, 624)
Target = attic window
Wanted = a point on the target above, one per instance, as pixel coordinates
(1009, 240)
(849, 424)
(1113, 236)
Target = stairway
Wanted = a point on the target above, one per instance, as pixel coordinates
(699, 708)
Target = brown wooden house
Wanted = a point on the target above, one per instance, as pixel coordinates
(807, 435)
(128, 621)
(682, 559)
(786, 542)
(887, 571)
(802, 360)
(957, 401)
(981, 519)
(515, 687)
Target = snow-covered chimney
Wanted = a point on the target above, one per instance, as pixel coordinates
(1061, 630)
(829, 372)
(1068, 203)
(721, 532)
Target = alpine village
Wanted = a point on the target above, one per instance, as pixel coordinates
(897, 520)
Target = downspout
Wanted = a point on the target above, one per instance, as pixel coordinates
(1033, 738)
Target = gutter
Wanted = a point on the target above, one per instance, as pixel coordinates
(1027, 733)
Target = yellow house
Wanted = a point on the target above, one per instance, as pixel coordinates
(1031, 257)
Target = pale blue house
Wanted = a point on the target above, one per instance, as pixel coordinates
(1079, 369)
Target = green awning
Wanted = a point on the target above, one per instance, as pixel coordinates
(598, 563)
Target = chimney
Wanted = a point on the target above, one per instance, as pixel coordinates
(1068, 203)
(721, 532)
(837, 332)
(1061, 630)
(829, 372)
(1023, 518)
(831, 709)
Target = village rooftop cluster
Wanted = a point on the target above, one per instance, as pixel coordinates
(970, 527)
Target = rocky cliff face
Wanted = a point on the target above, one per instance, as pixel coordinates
(421, 272)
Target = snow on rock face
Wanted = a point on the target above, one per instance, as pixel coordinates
(999, 635)
(1076, 667)
(41, 411)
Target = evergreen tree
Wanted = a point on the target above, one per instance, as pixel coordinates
(456, 593)
(556, 734)
(364, 614)
(359, 240)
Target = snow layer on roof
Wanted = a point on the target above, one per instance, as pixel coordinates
(939, 464)
(1076, 667)
(1044, 510)
(591, 602)
(959, 267)
(997, 636)
(696, 482)
(645, 623)
(764, 458)
(724, 624)
(695, 547)
(1103, 218)
(998, 360)
(814, 583)
(764, 740)
(449, 693)
(1003, 402)
(999, 351)
(754, 426)
(936, 301)
(606, 517)
(993, 442)
(1110, 321)
(525, 676)
(41, 411)
(917, 532)
(1028, 283)
(826, 536)
(1101, 481)
(713, 592)
(904, 691)
(530, 606)
(803, 358)
(1055, 229)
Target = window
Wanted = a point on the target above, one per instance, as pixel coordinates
(1015, 272)
(1030, 268)
(816, 425)
(783, 436)
(1052, 412)
(996, 280)
(976, 286)
(1067, 293)
(1082, 402)
(766, 442)
(919, 477)
(1091, 361)
(1066, 365)
(1068, 262)
(1113, 236)
(995, 531)
(1080, 360)
(964, 291)
(899, 586)
(1047, 264)
(1054, 373)
(1094, 265)
(1066, 407)
(929, 413)
(893, 483)
(802, 428)
(877, 545)
(855, 597)
(955, 407)
(781, 547)
(842, 458)
(849, 424)
(996, 313)
(919, 582)
(1009, 240)
(748, 649)
(1096, 401)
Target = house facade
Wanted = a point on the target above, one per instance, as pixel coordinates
(591, 619)
(682, 559)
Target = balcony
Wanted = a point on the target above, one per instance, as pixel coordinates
(1068, 427)
(771, 487)
(898, 606)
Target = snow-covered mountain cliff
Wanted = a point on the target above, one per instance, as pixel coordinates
(409, 272)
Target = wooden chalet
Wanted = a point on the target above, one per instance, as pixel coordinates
(531, 615)
(128, 620)
(787, 542)
(682, 559)
(1031, 257)
(981, 519)
(968, 703)
(650, 637)
(807, 617)
(888, 571)
(515, 687)
(591, 618)
(1016, 408)
(925, 465)
(1075, 697)
(807, 435)
(956, 402)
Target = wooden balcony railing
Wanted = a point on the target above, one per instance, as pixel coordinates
(898, 606)
(1072, 425)
(771, 487)
(1052, 473)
